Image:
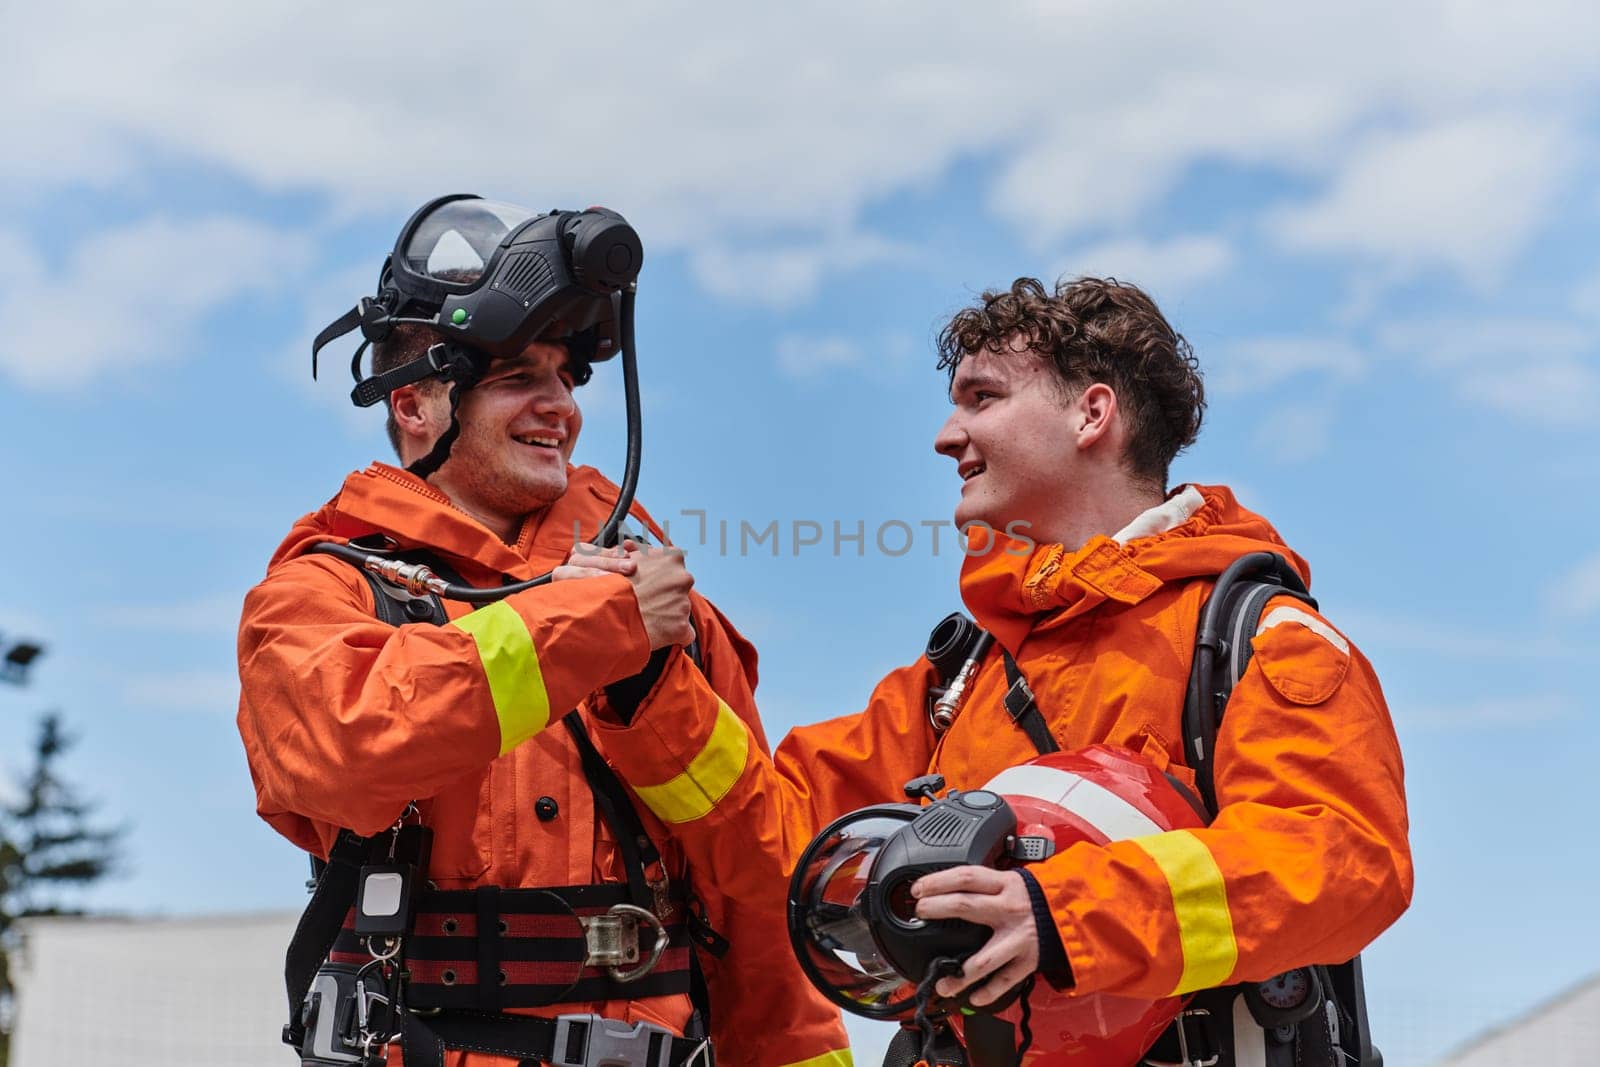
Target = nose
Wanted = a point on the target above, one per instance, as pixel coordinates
(554, 397)
(951, 440)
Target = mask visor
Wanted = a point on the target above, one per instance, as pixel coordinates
(453, 243)
(828, 915)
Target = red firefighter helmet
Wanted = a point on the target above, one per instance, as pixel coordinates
(858, 942)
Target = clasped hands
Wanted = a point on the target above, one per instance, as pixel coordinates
(660, 579)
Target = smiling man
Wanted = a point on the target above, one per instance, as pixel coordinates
(550, 920)
(1069, 406)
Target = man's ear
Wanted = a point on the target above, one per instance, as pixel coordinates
(1094, 414)
(413, 412)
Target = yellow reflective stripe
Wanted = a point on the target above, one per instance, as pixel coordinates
(692, 794)
(1200, 902)
(511, 664)
(839, 1058)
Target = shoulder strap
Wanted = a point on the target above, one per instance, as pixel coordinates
(1024, 709)
(611, 799)
(1228, 620)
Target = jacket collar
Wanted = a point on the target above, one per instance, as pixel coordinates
(388, 500)
(1016, 587)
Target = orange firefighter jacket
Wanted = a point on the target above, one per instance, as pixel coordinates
(1306, 862)
(345, 720)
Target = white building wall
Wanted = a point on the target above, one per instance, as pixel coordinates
(152, 992)
(1562, 1032)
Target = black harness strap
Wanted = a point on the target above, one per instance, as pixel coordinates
(1024, 709)
(319, 925)
(638, 851)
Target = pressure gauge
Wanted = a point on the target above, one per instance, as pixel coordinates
(1286, 998)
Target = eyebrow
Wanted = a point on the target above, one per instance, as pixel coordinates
(512, 364)
(978, 380)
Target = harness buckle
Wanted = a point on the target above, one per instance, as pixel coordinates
(612, 940)
(593, 1041)
(1019, 697)
(1185, 1057)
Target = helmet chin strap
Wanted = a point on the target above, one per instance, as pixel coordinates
(462, 371)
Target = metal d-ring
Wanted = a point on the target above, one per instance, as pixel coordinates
(642, 917)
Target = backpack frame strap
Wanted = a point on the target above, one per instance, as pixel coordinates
(1024, 709)
(1222, 651)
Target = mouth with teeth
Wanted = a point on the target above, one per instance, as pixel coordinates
(969, 473)
(538, 440)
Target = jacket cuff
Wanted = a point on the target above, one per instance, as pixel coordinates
(1053, 963)
(685, 748)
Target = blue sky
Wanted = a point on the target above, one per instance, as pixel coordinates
(1377, 229)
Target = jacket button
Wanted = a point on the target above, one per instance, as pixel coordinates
(546, 808)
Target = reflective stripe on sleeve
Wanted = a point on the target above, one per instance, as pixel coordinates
(511, 664)
(1200, 903)
(838, 1058)
(692, 794)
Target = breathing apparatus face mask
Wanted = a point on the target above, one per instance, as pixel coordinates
(488, 279)
(852, 918)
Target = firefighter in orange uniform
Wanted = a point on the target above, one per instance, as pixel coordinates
(353, 725)
(1068, 408)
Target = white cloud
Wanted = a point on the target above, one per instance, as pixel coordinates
(1541, 370)
(1560, 393)
(202, 615)
(1466, 194)
(1160, 267)
(133, 296)
(807, 357)
(1586, 297)
(1296, 433)
(1385, 629)
(783, 276)
(1265, 362)
(1492, 713)
(1576, 595)
(815, 357)
(718, 126)
(205, 691)
(325, 298)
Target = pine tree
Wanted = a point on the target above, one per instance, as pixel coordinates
(47, 848)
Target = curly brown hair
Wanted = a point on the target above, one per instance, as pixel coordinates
(1096, 330)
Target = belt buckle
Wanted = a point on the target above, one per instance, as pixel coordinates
(1185, 1059)
(594, 1041)
(611, 940)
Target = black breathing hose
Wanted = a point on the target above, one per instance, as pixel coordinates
(630, 389)
(419, 580)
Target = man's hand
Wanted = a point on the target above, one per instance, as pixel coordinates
(998, 900)
(661, 583)
(592, 561)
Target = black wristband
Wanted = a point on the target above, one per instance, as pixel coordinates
(626, 694)
(1053, 963)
